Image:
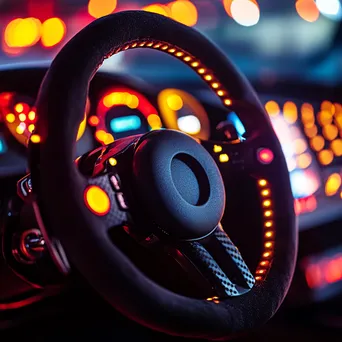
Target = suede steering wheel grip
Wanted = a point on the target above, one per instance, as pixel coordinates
(59, 187)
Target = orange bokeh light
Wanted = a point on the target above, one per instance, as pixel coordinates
(100, 8)
(307, 10)
(158, 8)
(22, 32)
(53, 31)
(184, 11)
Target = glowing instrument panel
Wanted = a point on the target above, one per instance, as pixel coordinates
(123, 112)
(181, 111)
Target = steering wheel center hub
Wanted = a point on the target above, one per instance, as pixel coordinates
(179, 184)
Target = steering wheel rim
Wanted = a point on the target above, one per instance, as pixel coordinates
(66, 218)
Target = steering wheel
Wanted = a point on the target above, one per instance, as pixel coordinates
(164, 187)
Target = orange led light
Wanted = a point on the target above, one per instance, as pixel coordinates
(217, 148)
(93, 120)
(266, 203)
(330, 132)
(35, 138)
(268, 213)
(272, 108)
(268, 244)
(201, 71)
(173, 50)
(290, 112)
(195, 64)
(307, 10)
(265, 192)
(268, 224)
(220, 92)
(258, 278)
(208, 77)
(336, 147)
(262, 182)
(179, 54)
(215, 85)
(267, 254)
(317, 143)
(261, 271)
(154, 121)
(187, 59)
(269, 234)
(264, 263)
(97, 200)
(326, 157)
(333, 184)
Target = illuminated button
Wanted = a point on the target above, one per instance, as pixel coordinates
(114, 180)
(224, 158)
(31, 115)
(10, 117)
(265, 155)
(97, 200)
(112, 161)
(121, 200)
(217, 148)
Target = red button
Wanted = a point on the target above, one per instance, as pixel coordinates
(265, 156)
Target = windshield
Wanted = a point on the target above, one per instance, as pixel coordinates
(266, 36)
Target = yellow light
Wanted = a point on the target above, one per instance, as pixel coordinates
(258, 278)
(100, 8)
(304, 160)
(227, 102)
(108, 139)
(201, 71)
(336, 147)
(217, 148)
(134, 102)
(100, 135)
(22, 117)
(35, 138)
(187, 59)
(307, 113)
(311, 131)
(184, 11)
(269, 234)
(333, 184)
(208, 77)
(21, 128)
(97, 200)
(326, 157)
(19, 107)
(268, 224)
(179, 54)
(108, 101)
(265, 192)
(157, 8)
(330, 132)
(264, 263)
(266, 203)
(220, 92)
(172, 51)
(268, 213)
(262, 182)
(195, 64)
(53, 31)
(261, 271)
(223, 158)
(290, 112)
(22, 32)
(10, 117)
(175, 102)
(164, 47)
(245, 12)
(267, 254)
(325, 117)
(154, 121)
(215, 85)
(82, 128)
(268, 244)
(317, 143)
(307, 10)
(31, 128)
(272, 108)
(31, 115)
(112, 161)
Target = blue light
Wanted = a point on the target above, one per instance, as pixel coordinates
(125, 123)
(303, 184)
(235, 120)
(3, 147)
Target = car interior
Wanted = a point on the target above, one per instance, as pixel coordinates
(171, 170)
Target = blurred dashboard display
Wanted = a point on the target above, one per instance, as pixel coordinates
(181, 111)
(122, 112)
(301, 162)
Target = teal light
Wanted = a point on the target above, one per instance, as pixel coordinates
(3, 147)
(235, 120)
(125, 123)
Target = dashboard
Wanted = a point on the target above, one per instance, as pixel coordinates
(309, 129)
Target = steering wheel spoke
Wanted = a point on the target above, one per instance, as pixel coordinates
(220, 262)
